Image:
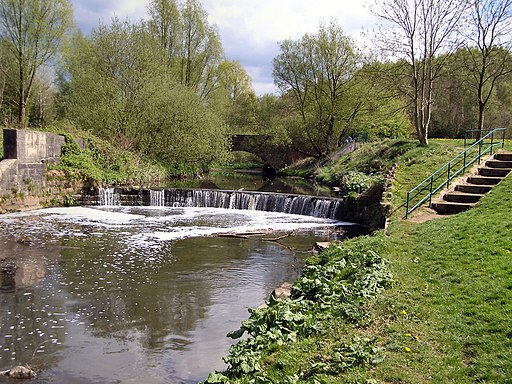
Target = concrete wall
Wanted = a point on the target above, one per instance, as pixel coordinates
(30, 147)
(26, 156)
(8, 176)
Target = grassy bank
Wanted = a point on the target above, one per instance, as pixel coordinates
(445, 318)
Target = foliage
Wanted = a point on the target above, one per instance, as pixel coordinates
(336, 284)
(31, 32)
(121, 90)
(317, 71)
(358, 182)
(190, 44)
(101, 163)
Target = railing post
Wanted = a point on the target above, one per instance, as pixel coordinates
(448, 179)
(464, 168)
(479, 150)
(503, 139)
(407, 205)
(492, 141)
(430, 193)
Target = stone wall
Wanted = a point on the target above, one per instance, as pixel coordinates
(23, 170)
(31, 147)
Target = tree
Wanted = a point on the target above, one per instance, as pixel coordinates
(193, 46)
(32, 31)
(318, 72)
(416, 32)
(489, 49)
(165, 23)
(236, 98)
(120, 88)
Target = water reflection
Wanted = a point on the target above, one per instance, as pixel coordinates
(129, 295)
(250, 181)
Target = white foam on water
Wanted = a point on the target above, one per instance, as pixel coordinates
(92, 214)
(147, 226)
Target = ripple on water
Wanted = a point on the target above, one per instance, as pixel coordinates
(104, 293)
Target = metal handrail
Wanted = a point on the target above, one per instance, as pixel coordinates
(464, 159)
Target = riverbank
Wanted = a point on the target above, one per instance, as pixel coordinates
(444, 318)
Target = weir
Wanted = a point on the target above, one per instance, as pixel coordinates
(317, 206)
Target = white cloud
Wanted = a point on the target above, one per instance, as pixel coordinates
(250, 30)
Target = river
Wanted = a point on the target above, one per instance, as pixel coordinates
(138, 294)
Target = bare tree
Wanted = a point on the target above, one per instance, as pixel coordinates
(32, 31)
(489, 49)
(415, 33)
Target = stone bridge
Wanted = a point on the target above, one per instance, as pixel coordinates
(277, 156)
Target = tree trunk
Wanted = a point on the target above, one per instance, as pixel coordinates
(23, 105)
(481, 111)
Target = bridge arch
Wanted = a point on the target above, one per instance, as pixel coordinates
(277, 156)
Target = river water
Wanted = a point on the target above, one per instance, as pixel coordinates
(138, 294)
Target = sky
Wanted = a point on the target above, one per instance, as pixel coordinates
(250, 30)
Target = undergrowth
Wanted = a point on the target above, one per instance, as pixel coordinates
(336, 286)
(104, 164)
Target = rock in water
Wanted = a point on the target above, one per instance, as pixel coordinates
(282, 292)
(21, 372)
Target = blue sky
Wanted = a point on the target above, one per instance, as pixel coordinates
(250, 29)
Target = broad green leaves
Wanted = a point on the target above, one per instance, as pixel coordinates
(334, 285)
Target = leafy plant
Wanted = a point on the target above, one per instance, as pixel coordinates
(335, 284)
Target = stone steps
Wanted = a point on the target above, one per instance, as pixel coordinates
(483, 180)
(462, 197)
(473, 188)
(503, 156)
(465, 195)
(493, 172)
(448, 208)
(499, 164)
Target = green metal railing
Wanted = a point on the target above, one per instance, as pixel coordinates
(454, 168)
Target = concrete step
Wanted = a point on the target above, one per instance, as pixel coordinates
(498, 164)
(473, 188)
(493, 172)
(461, 197)
(483, 180)
(503, 156)
(446, 207)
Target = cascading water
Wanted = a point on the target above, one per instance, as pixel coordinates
(157, 198)
(108, 196)
(271, 202)
(317, 206)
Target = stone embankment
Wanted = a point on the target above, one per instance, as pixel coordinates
(24, 180)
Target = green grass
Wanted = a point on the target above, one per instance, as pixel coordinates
(452, 305)
(446, 318)
(415, 163)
